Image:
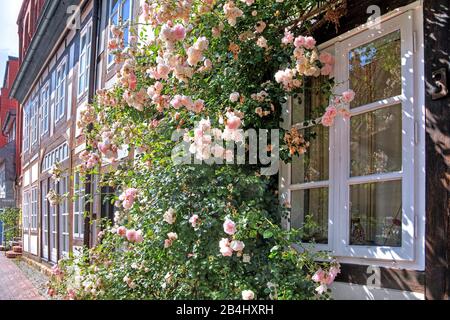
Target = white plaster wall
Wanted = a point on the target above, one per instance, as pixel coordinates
(34, 245)
(26, 240)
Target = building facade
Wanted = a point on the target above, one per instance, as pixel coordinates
(377, 184)
(8, 142)
(63, 63)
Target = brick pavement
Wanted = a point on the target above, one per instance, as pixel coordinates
(14, 285)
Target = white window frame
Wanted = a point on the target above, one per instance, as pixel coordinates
(3, 180)
(411, 254)
(26, 126)
(63, 186)
(45, 226)
(85, 53)
(60, 99)
(126, 23)
(34, 208)
(34, 119)
(59, 154)
(45, 108)
(78, 191)
(26, 210)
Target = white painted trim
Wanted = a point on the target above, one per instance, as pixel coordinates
(412, 256)
(398, 11)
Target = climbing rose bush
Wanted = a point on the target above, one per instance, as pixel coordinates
(205, 70)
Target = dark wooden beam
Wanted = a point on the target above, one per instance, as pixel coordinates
(405, 280)
(437, 42)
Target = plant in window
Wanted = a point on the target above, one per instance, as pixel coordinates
(56, 171)
(53, 197)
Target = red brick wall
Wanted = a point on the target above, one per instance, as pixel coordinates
(7, 104)
(27, 23)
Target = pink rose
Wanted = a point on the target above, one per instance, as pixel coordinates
(319, 276)
(326, 70)
(167, 243)
(122, 231)
(132, 82)
(127, 204)
(229, 227)
(226, 251)
(179, 32)
(194, 220)
(237, 245)
(176, 102)
(348, 96)
(234, 97)
(310, 42)
(326, 58)
(288, 38)
(233, 122)
(199, 105)
(131, 192)
(327, 121)
(139, 238)
(299, 41)
(172, 236)
(248, 295)
(131, 235)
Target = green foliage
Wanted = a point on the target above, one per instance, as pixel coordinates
(11, 219)
(193, 267)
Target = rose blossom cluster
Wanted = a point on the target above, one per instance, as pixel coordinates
(194, 220)
(87, 116)
(295, 142)
(325, 278)
(170, 216)
(232, 12)
(91, 159)
(52, 197)
(116, 43)
(308, 61)
(338, 106)
(127, 75)
(227, 246)
(171, 237)
(170, 34)
(136, 99)
(179, 101)
(159, 12)
(128, 197)
(287, 79)
(232, 130)
(131, 235)
(195, 53)
(106, 147)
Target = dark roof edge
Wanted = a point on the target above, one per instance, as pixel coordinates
(9, 115)
(48, 11)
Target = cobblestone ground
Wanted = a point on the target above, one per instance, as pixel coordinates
(37, 278)
(14, 283)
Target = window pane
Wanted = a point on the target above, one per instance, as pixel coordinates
(376, 214)
(125, 10)
(314, 203)
(313, 165)
(375, 70)
(315, 100)
(114, 5)
(376, 142)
